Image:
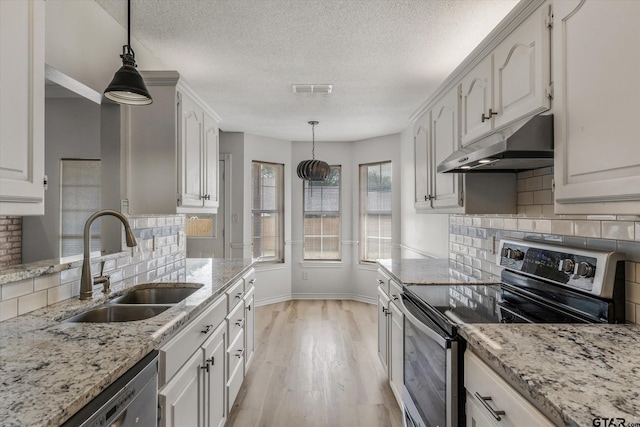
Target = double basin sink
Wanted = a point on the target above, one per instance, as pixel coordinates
(138, 304)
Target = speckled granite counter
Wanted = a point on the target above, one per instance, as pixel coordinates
(432, 272)
(49, 370)
(573, 373)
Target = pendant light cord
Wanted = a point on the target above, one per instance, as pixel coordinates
(129, 24)
(313, 143)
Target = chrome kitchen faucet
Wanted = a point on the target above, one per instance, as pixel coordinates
(86, 281)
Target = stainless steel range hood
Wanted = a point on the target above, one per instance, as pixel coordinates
(527, 144)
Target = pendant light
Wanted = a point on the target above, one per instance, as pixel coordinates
(127, 86)
(313, 170)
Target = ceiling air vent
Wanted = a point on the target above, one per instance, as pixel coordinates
(306, 88)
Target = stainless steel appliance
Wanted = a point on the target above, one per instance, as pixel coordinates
(541, 283)
(132, 400)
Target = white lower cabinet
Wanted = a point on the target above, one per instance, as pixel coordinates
(396, 359)
(249, 327)
(491, 401)
(214, 396)
(383, 328)
(391, 333)
(181, 401)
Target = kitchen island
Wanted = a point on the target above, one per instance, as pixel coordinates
(49, 369)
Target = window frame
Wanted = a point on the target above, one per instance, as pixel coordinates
(363, 176)
(322, 212)
(279, 258)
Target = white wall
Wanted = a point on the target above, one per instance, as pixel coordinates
(233, 143)
(85, 43)
(421, 234)
(72, 130)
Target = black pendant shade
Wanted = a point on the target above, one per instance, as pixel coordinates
(313, 170)
(127, 86)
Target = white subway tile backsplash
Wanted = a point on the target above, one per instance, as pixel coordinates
(31, 302)
(534, 183)
(543, 197)
(17, 289)
(587, 228)
(562, 227)
(542, 226)
(525, 198)
(533, 211)
(618, 230)
(59, 293)
(8, 309)
(630, 312)
(70, 275)
(47, 281)
(525, 224)
(510, 224)
(632, 292)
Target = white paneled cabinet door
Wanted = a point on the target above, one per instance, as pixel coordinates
(210, 162)
(22, 107)
(192, 133)
(476, 414)
(383, 328)
(597, 166)
(214, 354)
(249, 328)
(444, 130)
(476, 102)
(396, 336)
(181, 400)
(421, 144)
(522, 70)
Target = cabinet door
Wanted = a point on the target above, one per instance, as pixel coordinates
(22, 107)
(522, 70)
(249, 329)
(444, 129)
(422, 156)
(181, 399)
(214, 354)
(396, 359)
(476, 414)
(210, 162)
(475, 102)
(190, 172)
(596, 140)
(383, 327)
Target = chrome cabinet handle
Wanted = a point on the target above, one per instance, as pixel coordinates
(240, 353)
(252, 281)
(240, 322)
(380, 282)
(205, 367)
(394, 297)
(211, 360)
(239, 295)
(428, 197)
(207, 329)
(485, 402)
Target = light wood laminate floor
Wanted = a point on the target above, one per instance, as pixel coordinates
(316, 364)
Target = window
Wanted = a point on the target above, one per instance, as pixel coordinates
(321, 201)
(79, 198)
(375, 211)
(267, 211)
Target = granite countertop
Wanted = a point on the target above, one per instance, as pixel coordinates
(573, 373)
(49, 370)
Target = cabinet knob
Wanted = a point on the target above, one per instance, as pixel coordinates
(210, 360)
(205, 367)
(428, 197)
(240, 322)
(207, 329)
(239, 353)
(491, 113)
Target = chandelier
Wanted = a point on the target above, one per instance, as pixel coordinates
(313, 170)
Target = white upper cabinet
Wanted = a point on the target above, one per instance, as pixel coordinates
(597, 154)
(510, 83)
(172, 150)
(476, 101)
(521, 70)
(444, 128)
(423, 170)
(22, 107)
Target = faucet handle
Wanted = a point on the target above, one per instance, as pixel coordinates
(105, 281)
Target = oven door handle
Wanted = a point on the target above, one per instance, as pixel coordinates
(442, 341)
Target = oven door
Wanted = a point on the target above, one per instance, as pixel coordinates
(430, 391)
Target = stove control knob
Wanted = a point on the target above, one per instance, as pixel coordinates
(585, 269)
(518, 255)
(506, 252)
(566, 265)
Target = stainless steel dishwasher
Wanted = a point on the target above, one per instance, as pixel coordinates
(132, 400)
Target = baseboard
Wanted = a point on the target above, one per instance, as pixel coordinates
(323, 296)
(273, 300)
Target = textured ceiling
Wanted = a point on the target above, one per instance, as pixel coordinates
(383, 57)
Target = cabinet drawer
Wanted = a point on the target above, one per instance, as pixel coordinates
(394, 289)
(235, 294)
(383, 281)
(235, 352)
(483, 383)
(249, 279)
(235, 321)
(176, 352)
(233, 386)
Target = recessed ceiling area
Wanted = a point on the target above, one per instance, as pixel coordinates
(383, 57)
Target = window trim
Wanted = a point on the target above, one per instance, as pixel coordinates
(339, 211)
(361, 250)
(280, 184)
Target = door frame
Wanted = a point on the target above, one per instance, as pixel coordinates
(226, 159)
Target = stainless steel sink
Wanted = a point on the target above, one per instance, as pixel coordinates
(154, 296)
(118, 313)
